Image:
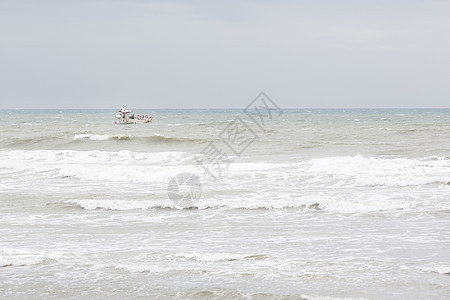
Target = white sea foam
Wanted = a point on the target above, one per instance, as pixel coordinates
(137, 267)
(313, 203)
(306, 204)
(355, 184)
(443, 269)
(215, 257)
(121, 173)
(371, 171)
(93, 137)
(55, 158)
(112, 204)
(21, 258)
(95, 166)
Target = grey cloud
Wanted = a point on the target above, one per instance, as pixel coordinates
(179, 54)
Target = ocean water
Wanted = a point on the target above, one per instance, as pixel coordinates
(321, 204)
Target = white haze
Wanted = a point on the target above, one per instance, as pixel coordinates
(212, 54)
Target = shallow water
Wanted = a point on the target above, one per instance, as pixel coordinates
(324, 203)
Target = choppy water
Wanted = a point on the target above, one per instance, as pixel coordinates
(325, 203)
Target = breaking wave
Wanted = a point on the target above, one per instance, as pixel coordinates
(217, 257)
(46, 141)
(91, 137)
(308, 204)
(119, 205)
(348, 171)
(20, 259)
(350, 184)
(371, 171)
(157, 138)
(443, 269)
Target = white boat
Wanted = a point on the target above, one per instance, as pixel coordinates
(126, 116)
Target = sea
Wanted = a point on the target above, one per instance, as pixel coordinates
(225, 204)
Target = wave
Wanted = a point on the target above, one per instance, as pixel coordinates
(305, 205)
(122, 166)
(174, 124)
(20, 259)
(371, 171)
(341, 171)
(26, 141)
(64, 140)
(137, 267)
(157, 138)
(120, 205)
(93, 137)
(217, 257)
(102, 137)
(124, 205)
(342, 184)
(211, 123)
(443, 269)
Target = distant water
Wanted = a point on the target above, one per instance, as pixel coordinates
(324, 204)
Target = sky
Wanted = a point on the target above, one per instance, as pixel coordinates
(221, 54)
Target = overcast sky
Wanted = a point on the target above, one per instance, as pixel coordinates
(221, 54)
